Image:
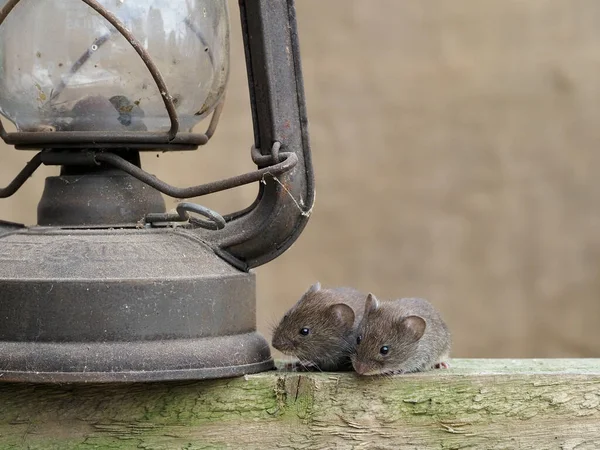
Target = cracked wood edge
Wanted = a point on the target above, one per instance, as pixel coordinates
(487, 404)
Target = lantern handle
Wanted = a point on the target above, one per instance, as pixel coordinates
(22, 177)
(215, 222)
(288, 162)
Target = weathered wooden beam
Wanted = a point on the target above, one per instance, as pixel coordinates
(487, 404)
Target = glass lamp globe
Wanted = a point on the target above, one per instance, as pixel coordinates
(64, 67)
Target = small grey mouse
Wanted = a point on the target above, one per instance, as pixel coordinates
(400, 336)
(320, 329)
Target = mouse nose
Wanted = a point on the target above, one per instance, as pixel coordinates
(276, 342)
(360, 367)
(282, 344)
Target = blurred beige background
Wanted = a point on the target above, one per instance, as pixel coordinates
(454, 146)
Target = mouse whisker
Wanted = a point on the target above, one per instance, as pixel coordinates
(272, 324)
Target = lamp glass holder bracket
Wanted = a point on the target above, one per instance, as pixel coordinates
(273, 165)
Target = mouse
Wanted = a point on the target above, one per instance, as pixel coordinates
(320, 329)
(405, 335)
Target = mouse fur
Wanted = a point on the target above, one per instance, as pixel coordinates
(331, 317)
(411, 331)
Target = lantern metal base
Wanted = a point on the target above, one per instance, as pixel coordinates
(123, 305)
(102, 362)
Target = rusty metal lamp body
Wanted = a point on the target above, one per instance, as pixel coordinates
(108, 286)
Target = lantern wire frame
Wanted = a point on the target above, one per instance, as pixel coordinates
(172, 139)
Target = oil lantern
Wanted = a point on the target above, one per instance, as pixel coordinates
(109, 286)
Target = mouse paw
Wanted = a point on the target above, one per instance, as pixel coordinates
(442, 365)
(393, 372)
(290, 366)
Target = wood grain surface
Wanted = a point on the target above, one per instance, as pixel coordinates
(477, 404)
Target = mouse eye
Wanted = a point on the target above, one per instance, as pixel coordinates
(358, 339)
(384, 350)
(304, 331)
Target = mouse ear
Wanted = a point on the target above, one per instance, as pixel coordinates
(342, 314)
(372, 304)
(413, 326)
(314, 288)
